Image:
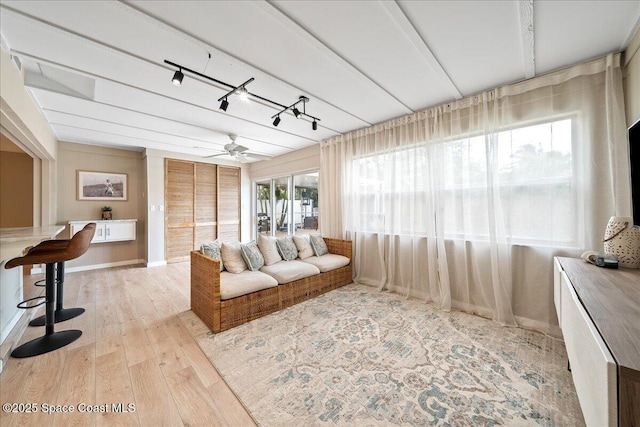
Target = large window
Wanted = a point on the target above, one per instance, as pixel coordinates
(531, 167)
(287, 205)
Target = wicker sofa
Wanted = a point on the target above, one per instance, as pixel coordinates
(220, 315)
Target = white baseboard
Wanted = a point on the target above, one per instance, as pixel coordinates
(156, 263)
(105, 265)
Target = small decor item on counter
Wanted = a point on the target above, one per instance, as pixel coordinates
(622, 238)
(106, 212)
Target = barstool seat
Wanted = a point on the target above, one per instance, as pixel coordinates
(60, 314)
(50, 254)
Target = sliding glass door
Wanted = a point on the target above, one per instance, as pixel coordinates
(287, 205)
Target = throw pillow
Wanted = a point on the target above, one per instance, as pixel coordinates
(318, 244)
(212, 249)
(232, 257)
(304, 247)
(287, 248)
(252, 256)
(269, 250)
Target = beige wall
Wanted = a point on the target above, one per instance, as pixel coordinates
(632, 80)
(16, 186)
(74, 157)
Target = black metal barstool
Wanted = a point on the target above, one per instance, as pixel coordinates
(50, 254)
(60, 314)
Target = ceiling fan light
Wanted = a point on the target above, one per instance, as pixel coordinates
(177, 78)
(296, 112)
(224, 104)
(314, 125)
(276, 122)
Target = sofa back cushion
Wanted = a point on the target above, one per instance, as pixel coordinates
(269, 250)
(318, 244)
(252, 255)
(212, 249)
(304, 246)
(232, 257)
(287, 248)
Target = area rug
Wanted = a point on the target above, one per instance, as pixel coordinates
(356, 356)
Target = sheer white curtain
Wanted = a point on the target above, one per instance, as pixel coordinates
(466, 204)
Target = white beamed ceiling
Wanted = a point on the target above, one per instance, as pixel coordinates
(97, 71)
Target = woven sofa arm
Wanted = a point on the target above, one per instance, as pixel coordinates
(205, 289)
(339, 247)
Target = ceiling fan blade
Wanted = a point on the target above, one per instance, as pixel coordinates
(257, 156)
(216, 155)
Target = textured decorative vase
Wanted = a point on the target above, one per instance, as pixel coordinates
(622, 238)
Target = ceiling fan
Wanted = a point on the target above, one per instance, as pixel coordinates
(239, 152)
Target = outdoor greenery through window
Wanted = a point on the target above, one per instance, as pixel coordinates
(531, 166)
(287, 205)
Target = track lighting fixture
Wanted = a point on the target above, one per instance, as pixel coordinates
(243, 93)
(224, 104)
(177, 77)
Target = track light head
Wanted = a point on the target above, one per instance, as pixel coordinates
(314, 125)
(244, 94)
(296, 112)
(224, 104)
(177, 78)
(276, 121)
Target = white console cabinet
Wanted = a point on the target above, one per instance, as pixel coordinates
(118, 230)
(599, 314)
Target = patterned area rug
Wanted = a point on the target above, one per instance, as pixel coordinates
(356, 356)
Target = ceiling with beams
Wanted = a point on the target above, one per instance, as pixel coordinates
(97, 71)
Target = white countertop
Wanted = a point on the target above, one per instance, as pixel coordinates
(19, 234)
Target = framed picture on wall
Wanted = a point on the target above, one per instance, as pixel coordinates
(101, 186)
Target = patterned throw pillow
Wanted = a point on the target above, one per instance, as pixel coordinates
(212, 249)
(318, 244)
(232, 257)
(304, 246)
(287, 248)
(269, 249)
(252, 256)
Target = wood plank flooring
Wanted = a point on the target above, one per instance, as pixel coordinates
(136, 350)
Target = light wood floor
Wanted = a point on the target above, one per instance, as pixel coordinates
(136, 348)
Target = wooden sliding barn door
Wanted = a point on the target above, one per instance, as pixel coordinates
(202, 204)
(179, 212)
(206, 204)
(228, 203)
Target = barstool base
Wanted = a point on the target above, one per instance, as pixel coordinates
(46, 343)
(59, 315)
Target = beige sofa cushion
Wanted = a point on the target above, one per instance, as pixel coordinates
(304, 246)
(328, 262)
(234, 285)
(288, 271)
(269, 249)
(232, 257)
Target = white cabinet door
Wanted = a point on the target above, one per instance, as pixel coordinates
(120, 231)
(98, 236)
(592, 366)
